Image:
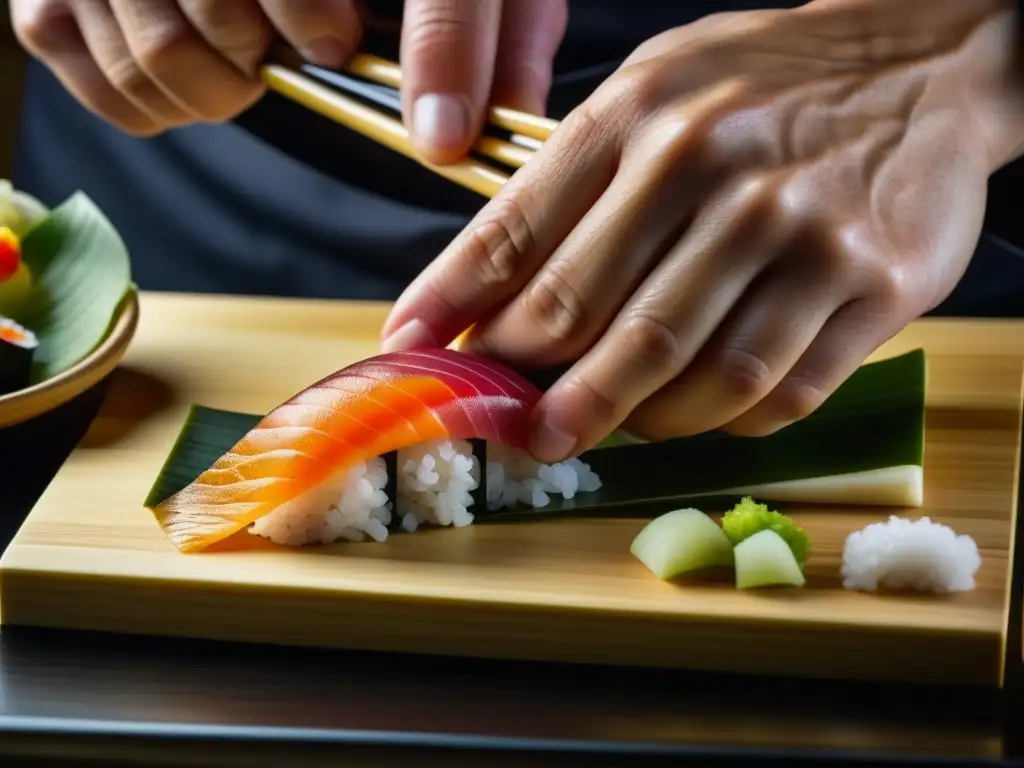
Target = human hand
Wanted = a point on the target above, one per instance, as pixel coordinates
(736, 219)
(150, 65)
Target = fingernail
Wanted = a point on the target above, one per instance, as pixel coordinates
(440, 120)
(325, 51)
(412, 335)
(551, 443)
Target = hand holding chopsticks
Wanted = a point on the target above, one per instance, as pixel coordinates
(372, 106)
(154, 66)
(389, 73)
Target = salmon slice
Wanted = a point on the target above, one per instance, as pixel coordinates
(370, 408)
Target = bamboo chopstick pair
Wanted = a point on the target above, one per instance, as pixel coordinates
(364, 98)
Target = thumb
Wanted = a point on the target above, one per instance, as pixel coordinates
(324, 32)
(447, 55)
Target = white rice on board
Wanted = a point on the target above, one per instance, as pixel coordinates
(435, 484)
(901, 554)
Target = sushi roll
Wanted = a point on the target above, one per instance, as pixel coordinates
(17, 348)
(400, 440)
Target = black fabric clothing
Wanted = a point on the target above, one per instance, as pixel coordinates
(283, 202)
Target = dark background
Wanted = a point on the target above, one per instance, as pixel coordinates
(12, 68)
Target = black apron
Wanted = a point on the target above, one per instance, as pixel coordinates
(283, 202)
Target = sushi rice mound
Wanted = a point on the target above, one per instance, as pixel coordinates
(901, 554)
(435, 484)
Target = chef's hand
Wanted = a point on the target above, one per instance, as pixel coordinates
(737, 218)
(150, 65)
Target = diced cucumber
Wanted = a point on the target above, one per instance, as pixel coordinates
(765, 559)
(682, 541)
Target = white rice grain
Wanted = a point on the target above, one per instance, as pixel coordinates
(435, 487)
(514, 477)
(435, 484)
(901, 554)
(353, 508)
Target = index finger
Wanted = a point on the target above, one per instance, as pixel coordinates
(497, 253)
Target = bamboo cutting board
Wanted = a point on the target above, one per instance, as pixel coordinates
(90, 556)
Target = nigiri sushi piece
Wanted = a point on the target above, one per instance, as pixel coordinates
(17, 349)
(311, 471)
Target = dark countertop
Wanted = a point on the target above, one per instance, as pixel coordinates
(147, 701)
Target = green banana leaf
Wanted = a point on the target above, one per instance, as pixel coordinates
(80, 273)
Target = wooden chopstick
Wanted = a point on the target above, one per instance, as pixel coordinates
(385, 130)
(505, 152)
(389, 73)
(514, 153)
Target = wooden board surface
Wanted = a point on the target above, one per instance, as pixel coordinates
(91, 557)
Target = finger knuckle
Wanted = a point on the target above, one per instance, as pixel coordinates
(674, 139)
(578, 139)
(721, 128)
(127, 76)
(158, 47)
(886, 283)
(603, 408)
(614, 112)
(581, 128)
(696, 139)
(652, 341)
(229, 25)
(555, 307)
(627, 92)
(652, 46)
(33, 23)
(800, 193)
(763, 207)
(794, 400)
(843, 253)
(436, 25)
(742, 373)
(497, 248)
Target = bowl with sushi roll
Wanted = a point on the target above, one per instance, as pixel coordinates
(68, 307)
